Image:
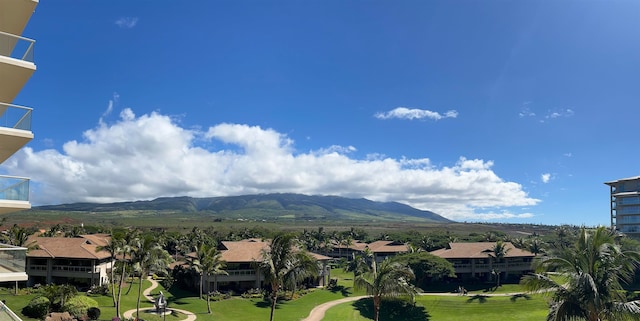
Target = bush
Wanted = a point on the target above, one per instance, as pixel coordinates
(93, 313)
(37, 308)
(253, 293)
(79, 305)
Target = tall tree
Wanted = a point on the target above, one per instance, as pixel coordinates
(591, 276)
(113, 247)
(281, 261)
(498, 253)
(390, 279)
(212, 264)
(147, 255)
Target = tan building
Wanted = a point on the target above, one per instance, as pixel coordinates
(76, 261)
(625, 204)
(475, 260)
(16, 67)
(379, 249)
(241, 259)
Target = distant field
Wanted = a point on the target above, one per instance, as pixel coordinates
(181, 221)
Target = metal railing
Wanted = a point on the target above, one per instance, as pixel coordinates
(64, 268)
(14, 188)
(16, 47)
(16, 117)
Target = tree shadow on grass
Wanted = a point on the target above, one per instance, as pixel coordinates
(478, 297)
(515, 297)
(392, 310)
(345, 291)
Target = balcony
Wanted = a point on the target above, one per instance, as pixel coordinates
(15, 14)
(14, 194)
(12, 263)
(16, 64)
(15, 129)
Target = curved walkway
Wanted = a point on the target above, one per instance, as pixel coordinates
(317, 313)
(147, 294)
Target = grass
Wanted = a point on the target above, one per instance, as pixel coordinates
(446, 308)
(476, 306)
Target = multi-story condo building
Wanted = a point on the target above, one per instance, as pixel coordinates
(16, 67)
(625, 204)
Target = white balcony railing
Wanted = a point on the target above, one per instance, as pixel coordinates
(14, 188)
(16, 47)
(16, 117)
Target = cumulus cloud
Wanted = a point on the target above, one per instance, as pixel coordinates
(545, 178)
(127, 22)
(408, 113)
(149, 156)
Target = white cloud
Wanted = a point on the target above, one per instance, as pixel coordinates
(127, 22)
(560, 113)
(545, 178)
(407, 113)
(149, 156)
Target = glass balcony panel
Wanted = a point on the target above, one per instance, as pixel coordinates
(14, 116)
(14, 188)
(16, 47)
(12, 258)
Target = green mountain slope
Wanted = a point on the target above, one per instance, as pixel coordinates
(262, 207)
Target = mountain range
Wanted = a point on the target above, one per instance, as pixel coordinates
(280, 206)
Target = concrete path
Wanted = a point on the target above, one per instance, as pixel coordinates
(318, 312)
(147, 294)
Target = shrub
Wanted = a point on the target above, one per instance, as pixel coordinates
(37, 308)
(79, 305)
(93, 313)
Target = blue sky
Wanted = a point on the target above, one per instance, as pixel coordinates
(506, 111)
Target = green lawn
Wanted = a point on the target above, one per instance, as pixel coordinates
(434, 308)
(446, 308)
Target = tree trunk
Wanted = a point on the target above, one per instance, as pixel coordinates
(376, 308)
(208, 295)
(201, 281)
(139, 295)
(112, 281)
(273, 304)
(120, 289)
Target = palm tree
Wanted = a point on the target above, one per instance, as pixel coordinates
(498, 253)
(389, 280)
(358, 265)
(591, 272)
(283, 262)
(147, 255)
(212, 264)
(113, 247)
(195, 262)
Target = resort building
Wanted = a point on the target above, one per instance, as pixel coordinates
(625, 204)
(379, 250)
(69, 260)
(242, 258)
(16, 67)
(477, 260)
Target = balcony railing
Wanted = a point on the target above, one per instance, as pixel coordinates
(16, 47)
(16, 117)
(12, 258)
(14, 188)
(65, 268)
